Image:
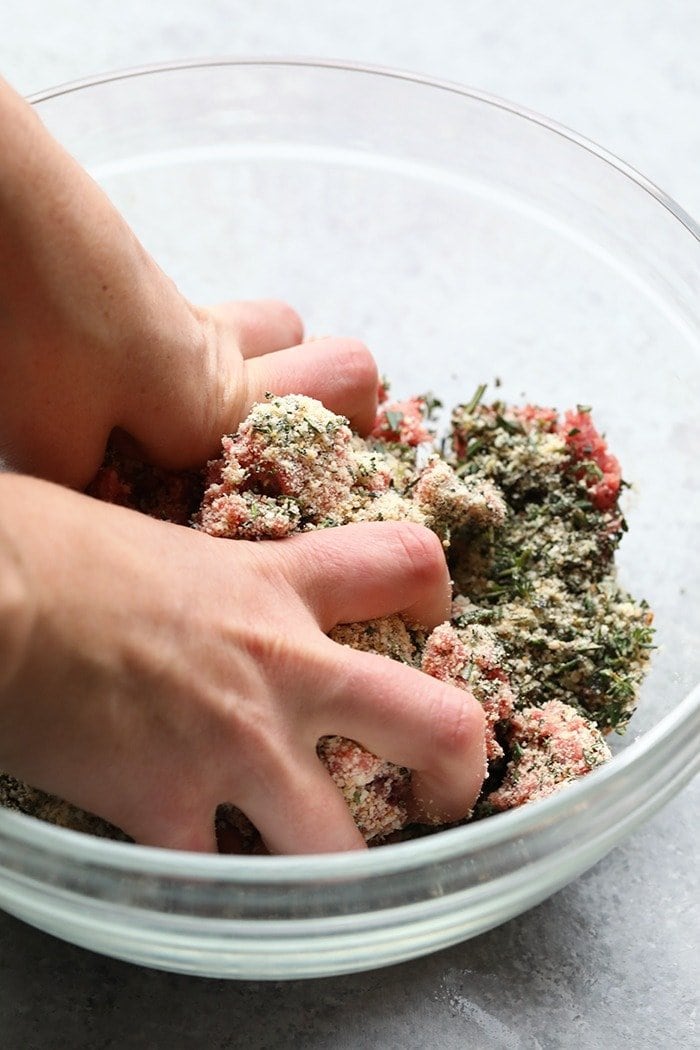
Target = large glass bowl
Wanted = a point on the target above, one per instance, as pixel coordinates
(462, 239)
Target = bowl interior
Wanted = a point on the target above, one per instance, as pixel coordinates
(464, 241)
(461, 241)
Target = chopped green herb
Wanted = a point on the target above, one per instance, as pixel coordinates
(509, 424)
(394, 420)
(475, 399)
(432, 404)
(545, 582)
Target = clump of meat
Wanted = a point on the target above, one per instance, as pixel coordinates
(527, 507)
(550, 746)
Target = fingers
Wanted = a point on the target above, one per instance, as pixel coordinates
(411, 719)
(304, 813)
(174, 828)
(339, 372)
(260, 326)
(359, 572)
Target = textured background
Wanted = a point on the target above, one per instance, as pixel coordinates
(612, 959)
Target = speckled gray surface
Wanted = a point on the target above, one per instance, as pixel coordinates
(612, 959)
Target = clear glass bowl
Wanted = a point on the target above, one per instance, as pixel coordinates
(462, 239)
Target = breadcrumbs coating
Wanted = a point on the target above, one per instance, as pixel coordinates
(294, 466)
(376, 791)
(550, 746)
(164, 494)
(545, 582)
(588, 648)
(472, 659)
(450, 503)
(402, 422)
(541, 634)
(290, 464)
(524, 458)
(386, 636)
(22, 798)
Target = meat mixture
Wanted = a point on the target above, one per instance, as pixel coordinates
(526, 503)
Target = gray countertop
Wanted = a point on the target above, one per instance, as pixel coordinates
(611, 960)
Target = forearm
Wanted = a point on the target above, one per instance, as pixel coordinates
(82, 309)
(71, 577)
(16, 613)
(94, 336)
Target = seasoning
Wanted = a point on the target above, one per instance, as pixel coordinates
(545, 583)
(526, 505)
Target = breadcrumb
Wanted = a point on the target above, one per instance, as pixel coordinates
(549, 746)
(526, 505)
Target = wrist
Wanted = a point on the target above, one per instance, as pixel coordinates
(94, 335)
(17, 616)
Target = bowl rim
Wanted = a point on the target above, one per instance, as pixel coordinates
(661, 739)
(652, 749)
(454, 87)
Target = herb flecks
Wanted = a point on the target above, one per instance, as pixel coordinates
(475, 399)
(547, 585)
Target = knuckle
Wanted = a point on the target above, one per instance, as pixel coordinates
(254, 736)
(286, 664)
(291, 321)
(288, 573)
(358, 365)
(252, 324)
(457, 724)
(422, 552)
(269, 651)
(260, 320)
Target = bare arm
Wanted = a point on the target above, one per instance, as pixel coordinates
(94, 336)
(151, 672)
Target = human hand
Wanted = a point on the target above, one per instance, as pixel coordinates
(148, 675)
(94, 337)
(159, 672)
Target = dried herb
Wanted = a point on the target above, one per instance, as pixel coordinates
(546, 582)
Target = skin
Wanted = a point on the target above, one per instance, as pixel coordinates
(149, 672)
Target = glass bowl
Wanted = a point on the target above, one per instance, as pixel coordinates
(462, 239)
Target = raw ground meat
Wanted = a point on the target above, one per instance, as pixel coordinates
(526, 506)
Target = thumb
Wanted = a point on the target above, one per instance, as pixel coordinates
(341, 373)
